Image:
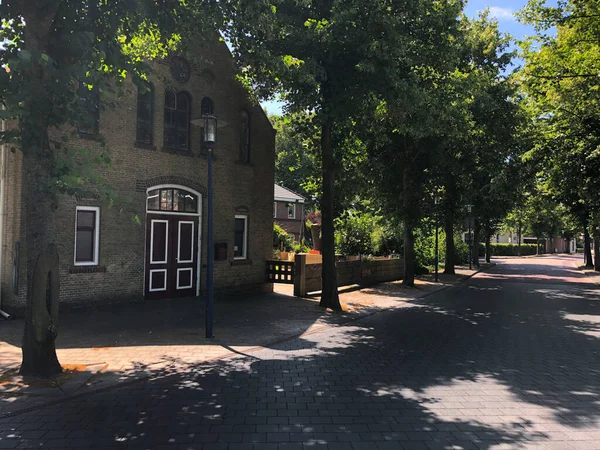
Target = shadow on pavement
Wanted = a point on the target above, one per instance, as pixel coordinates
(480, 365)
(180, 322)
(347, 389)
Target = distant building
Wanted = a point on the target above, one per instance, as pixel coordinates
(556, 245)
(561, 245)
(288, 211)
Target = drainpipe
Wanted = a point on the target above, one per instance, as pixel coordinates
(2, 179)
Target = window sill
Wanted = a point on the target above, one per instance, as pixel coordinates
(175, 151)
(87, 269)
(241, 262)
(144, 146)
(242, 163)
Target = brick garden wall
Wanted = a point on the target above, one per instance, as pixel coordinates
(308, 272)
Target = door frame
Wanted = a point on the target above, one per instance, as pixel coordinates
(168, 213)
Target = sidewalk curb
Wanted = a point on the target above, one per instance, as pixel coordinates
(317, 329)
(590, 274)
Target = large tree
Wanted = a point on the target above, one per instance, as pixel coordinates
(297, 163)
(55, 53)
(326, 57)
(475, 145)
(561, 79)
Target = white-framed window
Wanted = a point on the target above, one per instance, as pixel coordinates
(291, 207)
(274, 210)
(87, 235)
(240, 242)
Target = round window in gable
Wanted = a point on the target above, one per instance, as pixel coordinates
(180, 69)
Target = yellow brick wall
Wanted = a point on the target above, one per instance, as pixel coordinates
(241, 187)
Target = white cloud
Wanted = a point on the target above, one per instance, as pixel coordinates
(501, 13)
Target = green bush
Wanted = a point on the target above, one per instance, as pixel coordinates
(511, 249)
(300, 247)
(282, 241)
(461, 250)
(425, 249)
(387, 240)
(353, 234)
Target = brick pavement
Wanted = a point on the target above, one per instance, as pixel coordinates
(507, 360)
(129, 341)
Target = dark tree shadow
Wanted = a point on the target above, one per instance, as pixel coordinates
(485, 364)
(342, 392)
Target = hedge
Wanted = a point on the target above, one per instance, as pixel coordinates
(510, 249)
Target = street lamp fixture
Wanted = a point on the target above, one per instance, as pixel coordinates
(210, 131)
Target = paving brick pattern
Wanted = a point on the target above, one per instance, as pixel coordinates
(136, 340)
(503, 361)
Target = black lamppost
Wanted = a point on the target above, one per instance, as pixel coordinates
(437, 230)
(469, 208)
(210, 140)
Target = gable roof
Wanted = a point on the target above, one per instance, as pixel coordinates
(286, 195)
(223, 47)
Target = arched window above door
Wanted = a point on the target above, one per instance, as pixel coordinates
(172, 200)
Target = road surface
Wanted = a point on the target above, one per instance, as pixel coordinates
(508, 359)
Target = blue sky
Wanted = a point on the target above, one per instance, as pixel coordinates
(502, 10)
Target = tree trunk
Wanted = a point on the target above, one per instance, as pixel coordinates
(568, 249)
(450, 254)
(596, 249)
(41, 321)
(409, 242)
(475, 245)
(537, 246)
(409, 254)
(519, 240)
(449, 266)
(329, 294)
(587, 248)
(488, 248)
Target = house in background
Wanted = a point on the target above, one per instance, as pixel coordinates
(159, 162)
(556, 245)
(561, 245)
(288, 211)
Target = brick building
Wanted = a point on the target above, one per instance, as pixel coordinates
(152, 243)
(288, 211)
